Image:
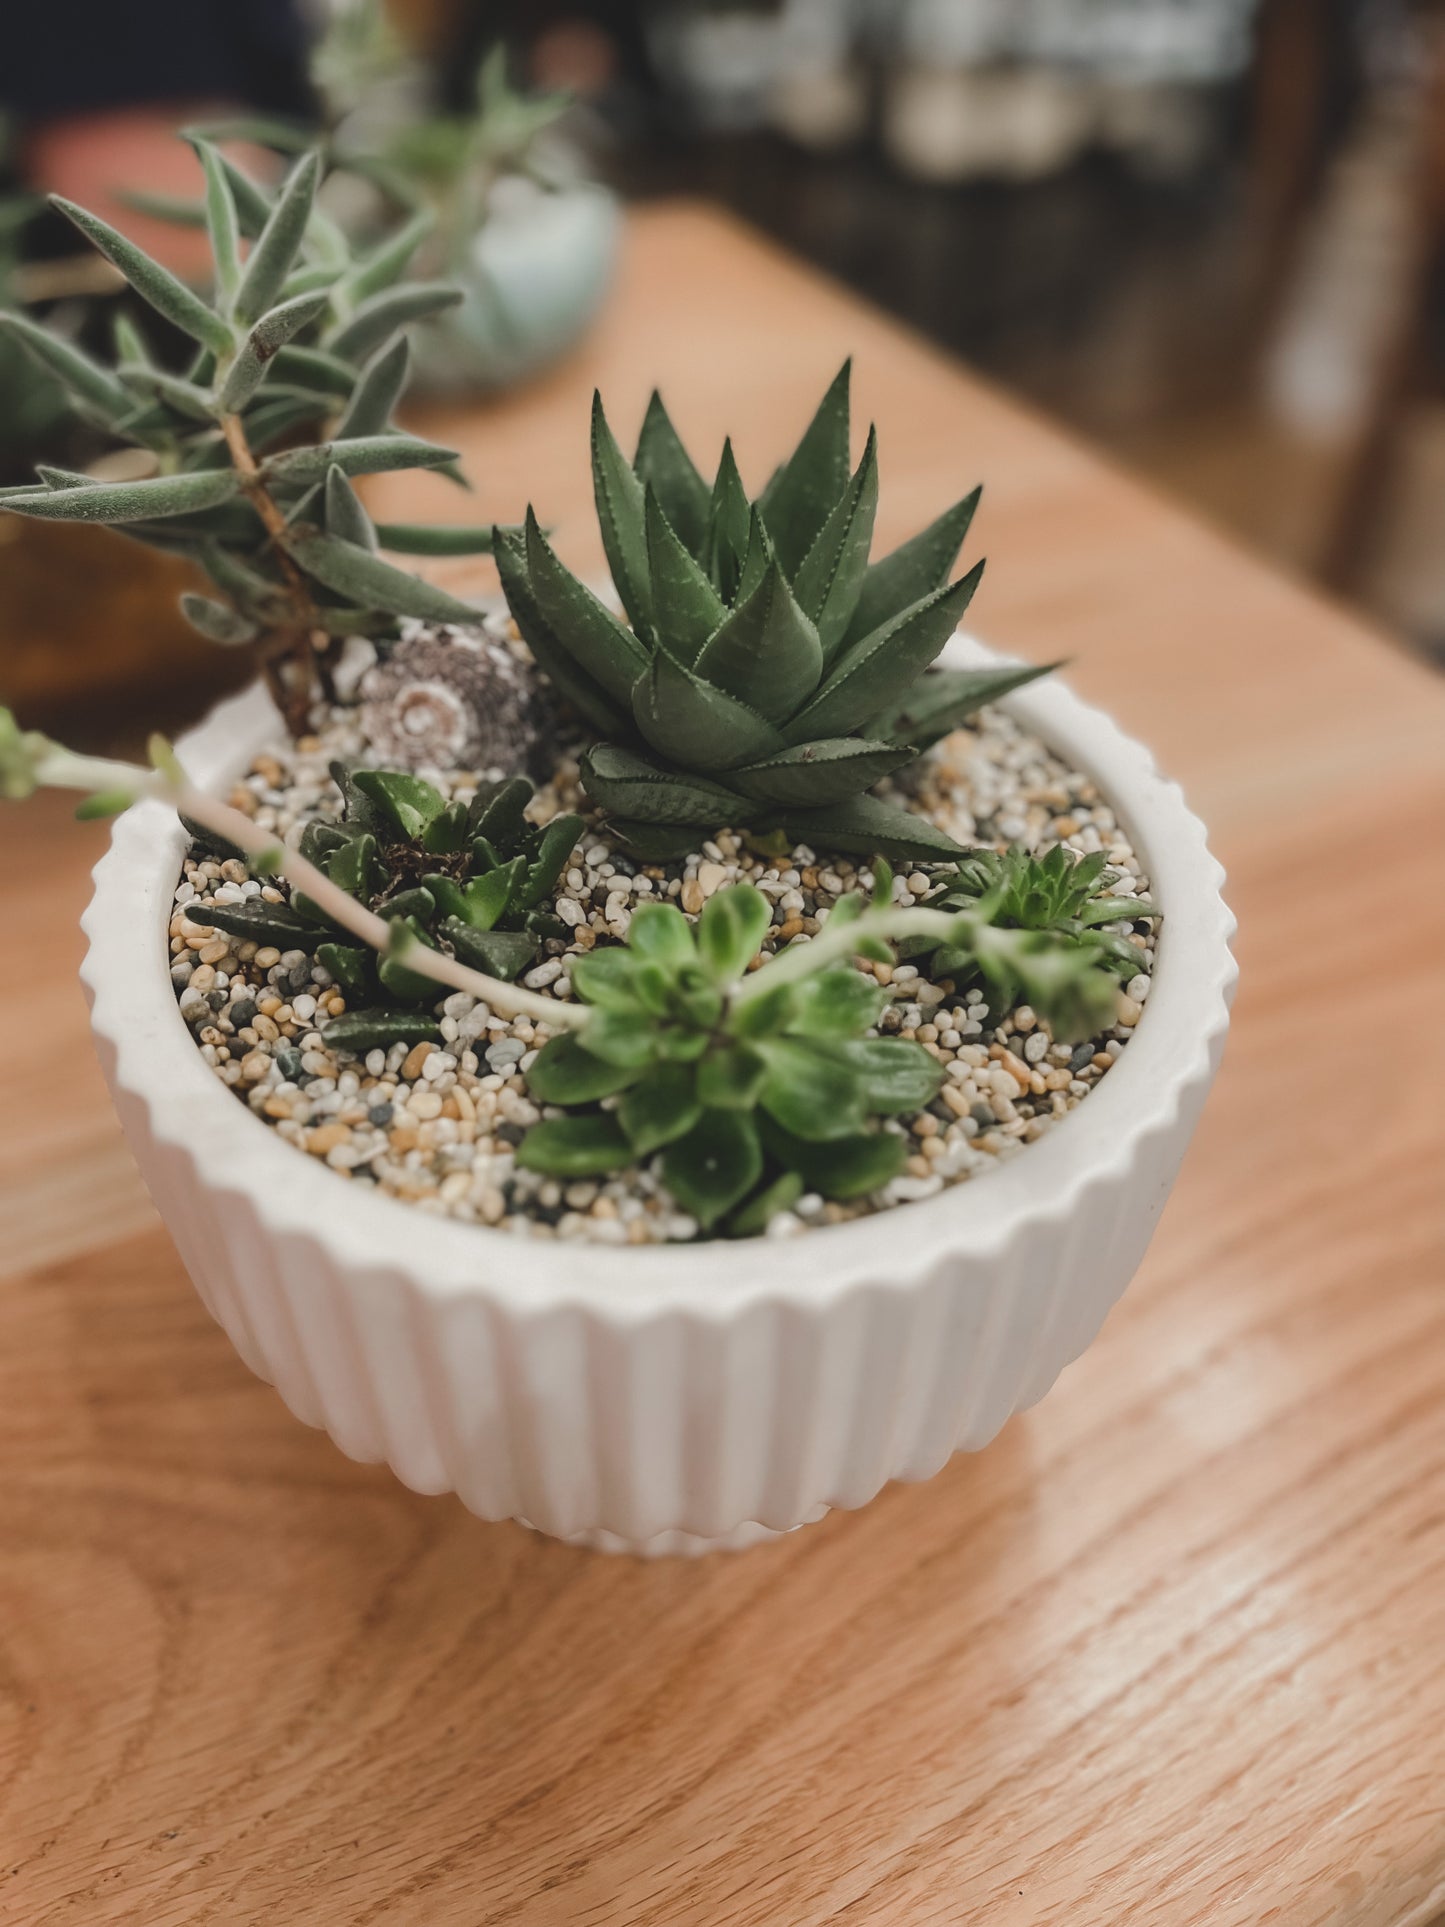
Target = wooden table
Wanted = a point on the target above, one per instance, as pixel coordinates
(1172, 1651)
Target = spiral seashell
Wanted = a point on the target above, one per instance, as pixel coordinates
(451, 698)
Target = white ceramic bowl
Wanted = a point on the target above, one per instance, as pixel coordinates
(664, 1399)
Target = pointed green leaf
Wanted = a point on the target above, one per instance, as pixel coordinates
(730, 521)
(564, 1071)
(86, 379)
(366, 455)
(158, 496)
(370, 582)
(767, 652)
(313, 368)
(943, 698)
(621, 514)
(619, 780)
(253, 203)
(274, 253)
(898, 1075)
(715, 1165)
(660, 1108)
(184, 398)
(439, 538)
(309, 280)
(500, 953)
(347, 966)
(810, 1089)
(575, 1147)
(378, 319)
(694, 723)
(216, 621)
(686, 608)
(151, 281)
(410, 802)
(386, 263)
(865, 826)
(663, 463)
(221, 224)
(345, 516)
(379, 388)
(913, 571)
(270, 334)
(815, 774)
(873, 673)
(605, 648)
(555, 845)
(832, 572)
(361, 1031)
(849, 1167)
(481, 904)
(583, 691)
(758, 1213)
(261, 922)
(798, 500)
(276, 417)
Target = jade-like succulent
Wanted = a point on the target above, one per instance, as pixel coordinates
(298, 342)
(757, 1082)
(1059, 904)
(474, 879)
(769, 674)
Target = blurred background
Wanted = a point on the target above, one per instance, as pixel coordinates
(1209, 235)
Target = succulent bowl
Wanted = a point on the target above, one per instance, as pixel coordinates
(667, 1399)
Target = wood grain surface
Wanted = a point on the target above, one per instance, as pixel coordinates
(1171, 1652)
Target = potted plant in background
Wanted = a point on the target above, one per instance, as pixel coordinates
(639, 1156)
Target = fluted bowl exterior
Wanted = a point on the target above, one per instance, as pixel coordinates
(665, 1398)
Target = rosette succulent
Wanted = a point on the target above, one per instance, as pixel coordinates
(769, 674)
(1059, 904)
(476, 880)
(299, 359)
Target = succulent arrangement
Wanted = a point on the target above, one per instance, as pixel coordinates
(474, 879)
(769, 674)
(299, 360)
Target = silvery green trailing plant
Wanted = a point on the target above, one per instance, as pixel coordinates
(758, 1081)
(475, 879)
(1059, 905)
(299, 341)
(769, 674)
(753, 1079)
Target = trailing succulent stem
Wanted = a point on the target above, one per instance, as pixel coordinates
(473, 879)
(31, 761)
(768, 674)
(299, 359)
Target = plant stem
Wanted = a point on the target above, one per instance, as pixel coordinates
(839, 939)
(299, 644)
(60, 769)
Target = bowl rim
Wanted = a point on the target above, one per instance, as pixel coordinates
(154, 1061)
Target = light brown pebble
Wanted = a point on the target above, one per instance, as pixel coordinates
(711, 876)
(955, 1099)
(402, 1137)
(277, 1106)
(492, 1206)
(1127, 1011)
(455, 1187)
(213, 952)
(264, 1027)
(1101, 1060)
(925, 1125)
(415, 1058)
(691, 896)
(267, 956)
(787, 931)
(1017, 1070)
(254, 1066)
(325, 1138)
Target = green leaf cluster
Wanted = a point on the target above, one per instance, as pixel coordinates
(476, 880)
(300, 340)
(769, 673)
(1044, 942)
(749, 1102)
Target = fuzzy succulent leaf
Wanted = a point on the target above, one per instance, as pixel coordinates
(380, 387)
(222, 225)
(271, 332)
(345, 516)
(95, 387)
(371, 582)
(387, 261)
(153, 283)
(366, 455)
(160, 496)
(216, 621)
(274, 252)
(377, 319)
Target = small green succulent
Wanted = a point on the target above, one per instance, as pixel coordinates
(300, 342)
(475, 879)
(757, 1082)
(769, 675)
(750, 1100)
(1062, 901)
